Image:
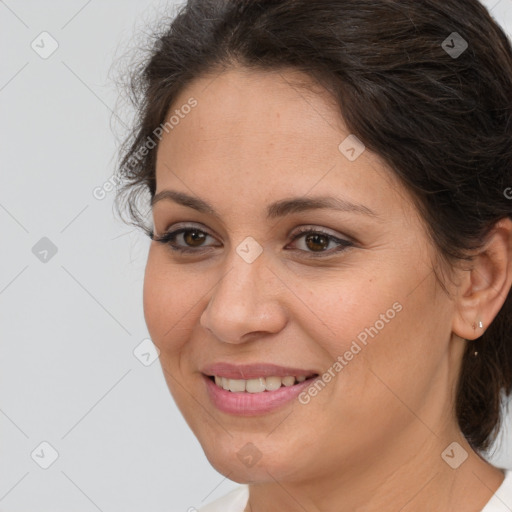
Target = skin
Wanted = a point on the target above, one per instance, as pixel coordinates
(372, 439)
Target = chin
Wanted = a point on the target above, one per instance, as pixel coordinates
(238, 459)
(230, 466)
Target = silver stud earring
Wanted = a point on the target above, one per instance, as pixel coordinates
(480, 325)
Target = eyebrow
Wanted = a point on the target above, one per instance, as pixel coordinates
(274, 210)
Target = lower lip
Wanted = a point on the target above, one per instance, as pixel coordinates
(252, 404)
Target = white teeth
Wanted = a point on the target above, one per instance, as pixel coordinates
(236, 385)
(273, 383)
(257, 385)
(288, 381)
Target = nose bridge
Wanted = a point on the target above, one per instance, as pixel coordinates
(242, 301)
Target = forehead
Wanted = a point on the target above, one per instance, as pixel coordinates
(257, 134)
(263, 103)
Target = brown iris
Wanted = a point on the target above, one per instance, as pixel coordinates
(194, 238)
(319, 241)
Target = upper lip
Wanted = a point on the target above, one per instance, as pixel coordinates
(253, 371)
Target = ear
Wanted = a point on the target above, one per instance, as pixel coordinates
(486, 285)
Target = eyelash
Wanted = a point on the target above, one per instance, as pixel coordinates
(169, 237)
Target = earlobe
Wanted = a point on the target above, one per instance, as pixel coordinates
(480, 325)
(486, 285)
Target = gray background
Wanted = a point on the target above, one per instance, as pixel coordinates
(70, 324)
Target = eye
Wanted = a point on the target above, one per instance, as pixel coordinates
(316, 242)
(192, 237)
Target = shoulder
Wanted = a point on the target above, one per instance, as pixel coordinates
(234, 501)
(502, 498)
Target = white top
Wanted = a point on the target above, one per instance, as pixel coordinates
(236, 500)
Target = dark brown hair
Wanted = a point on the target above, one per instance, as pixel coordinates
(441, 119)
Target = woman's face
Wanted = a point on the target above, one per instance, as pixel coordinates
(361, 310)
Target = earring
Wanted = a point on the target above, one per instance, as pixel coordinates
(480, 326)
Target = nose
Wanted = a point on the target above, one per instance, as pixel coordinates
(245, 302)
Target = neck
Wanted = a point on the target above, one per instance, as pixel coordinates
(409, 475)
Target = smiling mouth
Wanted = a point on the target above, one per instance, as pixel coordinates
(258, 385)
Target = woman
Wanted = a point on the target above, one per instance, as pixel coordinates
(329, 276)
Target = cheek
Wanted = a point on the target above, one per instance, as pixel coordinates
(353, 310)
(399, 349)
(168, 301)
(374, 324)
